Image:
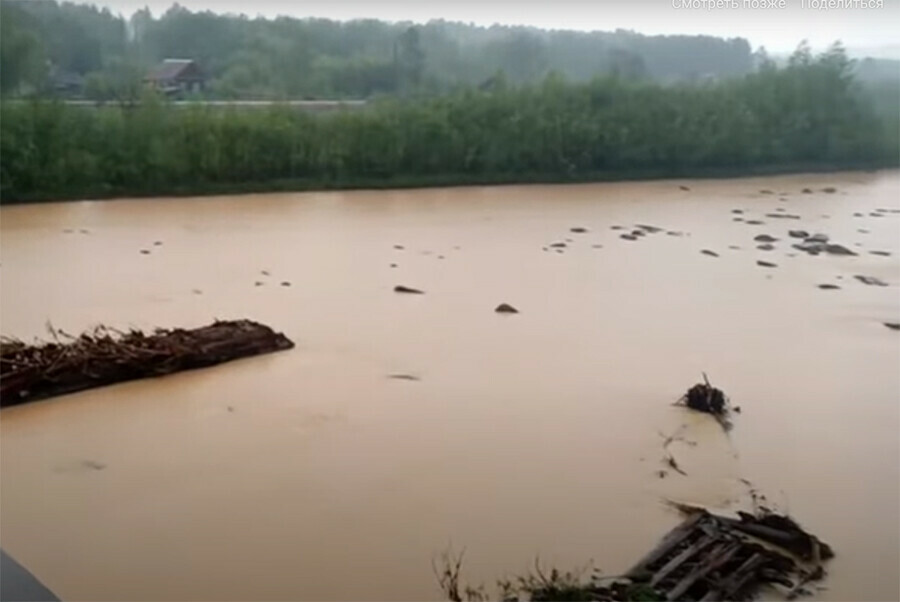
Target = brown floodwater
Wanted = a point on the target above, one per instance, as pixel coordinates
(310, 474)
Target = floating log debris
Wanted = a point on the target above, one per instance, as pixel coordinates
(105, 356)
(703, 397)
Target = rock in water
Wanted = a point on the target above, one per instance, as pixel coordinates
(829, 287)
(764, 238)
(893, 325)
(798, 233)
(578, 230)
(766, 247)
(766, 264)
(710, 253)
(628, 236)
(405, 289)
(506, 308)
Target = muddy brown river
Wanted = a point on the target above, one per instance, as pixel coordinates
(311, 474)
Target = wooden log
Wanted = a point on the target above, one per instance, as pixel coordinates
(685, 555)
(96, 359)
(718, 557)
(668, 543)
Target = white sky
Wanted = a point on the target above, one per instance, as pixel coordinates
(876, 31)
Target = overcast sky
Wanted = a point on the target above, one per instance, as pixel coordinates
(778, 29)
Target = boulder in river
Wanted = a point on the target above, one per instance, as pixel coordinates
(764, 238)
(798, 233)
(506, 308)
(409, 290)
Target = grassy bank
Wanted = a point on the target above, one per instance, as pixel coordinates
(808, 116)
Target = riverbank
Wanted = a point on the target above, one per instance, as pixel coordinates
(771, 121)
(454, 181)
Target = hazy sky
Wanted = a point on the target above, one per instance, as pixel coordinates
(778, 29)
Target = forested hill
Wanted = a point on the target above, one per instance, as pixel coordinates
(318, 58)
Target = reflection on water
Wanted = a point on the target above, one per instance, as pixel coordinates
(311, 474)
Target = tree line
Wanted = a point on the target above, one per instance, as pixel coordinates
(809, 113)
(45, 41)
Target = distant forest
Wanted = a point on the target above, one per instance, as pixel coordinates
(45, 43)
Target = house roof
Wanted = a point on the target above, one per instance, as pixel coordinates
(171, 69)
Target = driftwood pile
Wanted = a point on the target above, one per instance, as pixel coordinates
(105, 356)
(711, 557)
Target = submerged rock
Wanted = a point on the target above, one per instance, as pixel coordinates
(506, 308)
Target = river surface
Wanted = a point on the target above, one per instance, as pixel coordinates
(311, 474)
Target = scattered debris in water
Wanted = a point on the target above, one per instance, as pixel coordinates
(157, 243)
(754, 222)
(105, 356)
(410, 377)
(628, 236)
(406, 289)
(399, 247)
(881, 253)
(264, 272)
(829, 287)
(764, 238)
(285, 283)
(783, 215)
(145, 251)
(798, 233)
(766, 191)
(737, 210)
(871, 280)
(558, 245)
(893, 325)
(703, 397)
(683, 188)
(709, 252)
(649, 229)
(766, 264)
(806, 191)
(766, 247)
(506, 308)
(578, 230)
(197, 291)
(829, 189)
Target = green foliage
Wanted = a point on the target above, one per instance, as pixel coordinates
(317, 58)
(809, 114)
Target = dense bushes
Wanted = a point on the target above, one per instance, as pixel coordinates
(806, 115)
